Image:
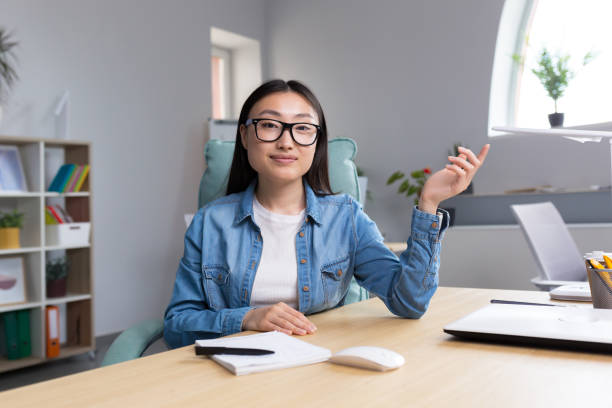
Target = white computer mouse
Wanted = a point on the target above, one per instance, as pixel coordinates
(370, 357)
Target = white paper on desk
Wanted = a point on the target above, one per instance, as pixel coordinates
(288, 352)
(551, 243)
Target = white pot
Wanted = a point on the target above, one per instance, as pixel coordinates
(363, 188)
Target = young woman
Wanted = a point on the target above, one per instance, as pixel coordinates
(280, 245)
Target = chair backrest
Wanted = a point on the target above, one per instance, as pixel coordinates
(550, 241)
(219, 153)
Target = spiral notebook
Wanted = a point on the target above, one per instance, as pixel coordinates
(288, 352)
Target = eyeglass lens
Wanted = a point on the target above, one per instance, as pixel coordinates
(270, 130)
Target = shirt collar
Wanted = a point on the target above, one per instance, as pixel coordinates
(313, 210)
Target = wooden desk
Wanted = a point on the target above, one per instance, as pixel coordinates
(439, 370)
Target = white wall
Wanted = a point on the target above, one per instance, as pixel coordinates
(505, 262)
(139, 76)
(407, 79)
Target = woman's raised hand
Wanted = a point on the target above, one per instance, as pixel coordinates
(280, 317)
(452, 179)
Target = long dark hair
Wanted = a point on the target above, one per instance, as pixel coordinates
(241, 172)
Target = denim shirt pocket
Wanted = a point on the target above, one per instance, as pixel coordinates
(216, 284)
(335, 278)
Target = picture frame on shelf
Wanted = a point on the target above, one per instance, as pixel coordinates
(12, 281)
(12, 176)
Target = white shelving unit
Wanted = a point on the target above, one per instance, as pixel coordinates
(41, 158)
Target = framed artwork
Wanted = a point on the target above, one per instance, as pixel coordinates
(12, 280)
(12, 177)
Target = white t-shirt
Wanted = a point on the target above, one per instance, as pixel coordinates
(276, 277)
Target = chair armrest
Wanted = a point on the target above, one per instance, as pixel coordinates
(132, 342)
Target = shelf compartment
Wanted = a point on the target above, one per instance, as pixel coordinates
(33, 290)
(29, 235)
(79, 324)
(29, 153)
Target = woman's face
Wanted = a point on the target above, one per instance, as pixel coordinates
(282, 160)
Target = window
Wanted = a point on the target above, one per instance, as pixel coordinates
(235, 71)
(562, 26)
(220, 87)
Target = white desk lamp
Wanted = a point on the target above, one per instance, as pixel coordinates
(61, 116)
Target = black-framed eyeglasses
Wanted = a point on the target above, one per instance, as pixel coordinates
(270, 130)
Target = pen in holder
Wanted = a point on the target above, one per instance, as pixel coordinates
(600, 281)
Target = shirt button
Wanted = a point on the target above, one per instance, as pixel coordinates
(303, 261)
(339, 273)
(301, 234)
(434, 225)
(305, 288)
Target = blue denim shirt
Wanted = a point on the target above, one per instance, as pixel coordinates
(337, 241)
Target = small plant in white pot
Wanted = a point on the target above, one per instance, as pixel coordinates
(8, 74)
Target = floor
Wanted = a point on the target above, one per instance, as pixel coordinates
(71, 365)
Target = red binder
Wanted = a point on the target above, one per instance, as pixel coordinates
(53, 329)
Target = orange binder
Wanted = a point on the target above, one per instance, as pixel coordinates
(53, 329)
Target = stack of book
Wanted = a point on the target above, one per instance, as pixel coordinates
(16, 337)
(69, 178)
(55, 214)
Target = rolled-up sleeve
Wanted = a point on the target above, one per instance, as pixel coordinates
(405, 284)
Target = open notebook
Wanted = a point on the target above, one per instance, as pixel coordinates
(288, 352)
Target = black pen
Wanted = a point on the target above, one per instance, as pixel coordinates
(512, 302)
(209, 351)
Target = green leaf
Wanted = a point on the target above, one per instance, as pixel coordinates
(411, 190)
(417, 173)
(404, 186)
(395, 176)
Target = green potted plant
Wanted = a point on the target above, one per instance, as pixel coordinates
(412, 184)
(554, 73)
(8, 74)
(56, 276)
(10, 225)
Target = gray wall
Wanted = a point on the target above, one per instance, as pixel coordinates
(407, 79)
(139, 76)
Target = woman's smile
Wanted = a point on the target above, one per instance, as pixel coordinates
(283, 158)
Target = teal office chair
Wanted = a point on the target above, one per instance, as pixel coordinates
(132, 342)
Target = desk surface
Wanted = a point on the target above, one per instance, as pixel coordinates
(439, 370)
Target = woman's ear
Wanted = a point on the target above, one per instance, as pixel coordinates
(243, 136)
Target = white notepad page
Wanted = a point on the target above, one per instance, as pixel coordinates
(288, 352)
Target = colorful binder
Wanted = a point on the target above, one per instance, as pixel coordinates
(49, 210)
(59, 178)
(23, 333)
(69, 175)
(10, 334)
(73, 181)
(52, 331)
(82, 178)
(69, 178)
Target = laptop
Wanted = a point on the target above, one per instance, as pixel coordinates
(575, 327)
